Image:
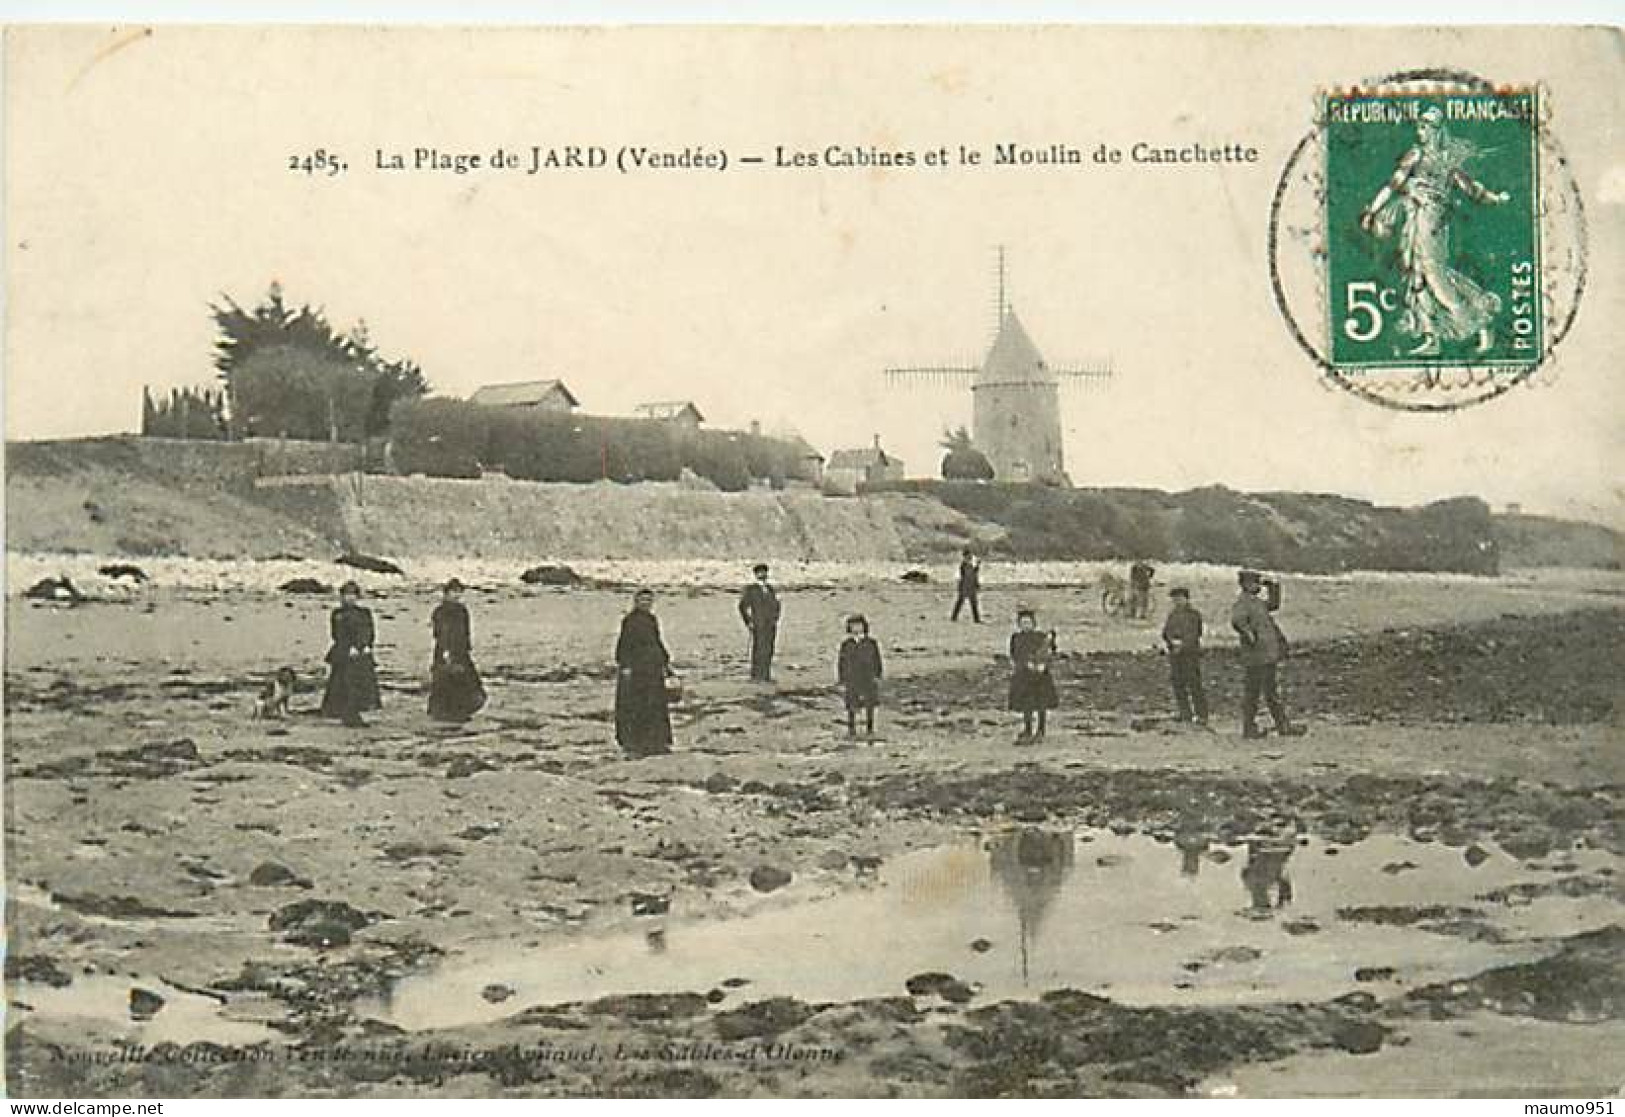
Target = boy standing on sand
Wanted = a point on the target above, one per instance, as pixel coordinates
(970, 587)
(858, 669)
(1182, 633)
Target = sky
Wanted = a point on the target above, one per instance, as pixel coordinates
(147, 174)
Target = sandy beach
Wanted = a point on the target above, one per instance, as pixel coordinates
(513, 906)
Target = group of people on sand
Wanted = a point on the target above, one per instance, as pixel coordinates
(1263, 648)
(456, 692)
(646, 684)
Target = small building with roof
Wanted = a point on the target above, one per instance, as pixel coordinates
(681, 413)
(807, 464)
(846, 470)
(809, 461)
(543, 395)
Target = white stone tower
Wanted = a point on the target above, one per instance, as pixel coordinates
(1016, 416)
(1015, 399)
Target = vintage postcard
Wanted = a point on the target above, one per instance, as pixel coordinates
(779, 562)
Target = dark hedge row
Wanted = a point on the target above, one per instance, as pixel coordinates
(455, 438)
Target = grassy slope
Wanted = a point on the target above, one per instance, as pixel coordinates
(1283, 531)
(103, 496)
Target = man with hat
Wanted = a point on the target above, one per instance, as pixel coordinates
(1182, 634)
(759, 608)
(1263, 647)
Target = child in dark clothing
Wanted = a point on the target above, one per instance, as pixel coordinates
(858, 670)
(1032, 687)
(1182, 633)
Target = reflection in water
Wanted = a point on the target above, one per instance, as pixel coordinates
(1265, 873)
(1031, 865)
(1191, 846)
(1019, 912)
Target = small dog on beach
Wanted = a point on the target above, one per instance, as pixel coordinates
(272, 704)
(1112, 590)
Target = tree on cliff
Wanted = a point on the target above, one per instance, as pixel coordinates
(395, 380)
(285, 390)
(198, 413)
(289, 373)
(963, 461)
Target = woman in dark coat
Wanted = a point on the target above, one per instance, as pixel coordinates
(1032, 687)
(455, 691)
(352, 677)
(642, 711)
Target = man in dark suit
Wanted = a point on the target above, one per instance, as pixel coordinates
(970, 587)
(759, 608)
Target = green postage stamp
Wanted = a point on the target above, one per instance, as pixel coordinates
(1427, 239)
(1432, 226)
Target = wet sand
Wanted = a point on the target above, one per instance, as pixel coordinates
(157, 833)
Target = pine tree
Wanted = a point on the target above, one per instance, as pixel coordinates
(332, 385)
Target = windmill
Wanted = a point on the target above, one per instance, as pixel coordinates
(1015, 395)
(1032, 866)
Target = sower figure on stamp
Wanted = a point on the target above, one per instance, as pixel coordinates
(1182, 633)
(1263, 647)
(759, 608)
(352, 677)
(642, 704)
(858, 669)
(1441, 303)
(455, 690)
(970, 587)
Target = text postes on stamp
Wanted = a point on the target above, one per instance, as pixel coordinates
(1427, 241)
(1433, 230)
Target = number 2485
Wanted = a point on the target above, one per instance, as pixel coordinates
(318, 162)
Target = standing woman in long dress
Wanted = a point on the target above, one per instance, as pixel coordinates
(455, 690)
(352, 677)
(642, 711)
